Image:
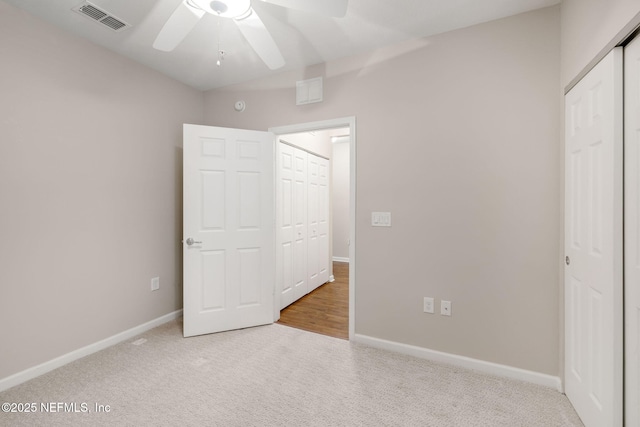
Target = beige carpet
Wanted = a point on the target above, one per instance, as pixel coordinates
(275, 376)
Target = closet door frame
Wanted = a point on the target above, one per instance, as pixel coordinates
(632, 231)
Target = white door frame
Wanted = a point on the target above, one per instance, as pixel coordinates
(349, 122)
(632, 232)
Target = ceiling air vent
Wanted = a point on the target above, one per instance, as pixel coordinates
(98, 15)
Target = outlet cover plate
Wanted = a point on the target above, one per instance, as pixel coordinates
(445, 308)
(155, 283)
(428, 305)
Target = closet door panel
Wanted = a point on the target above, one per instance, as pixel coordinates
(323, 220)
(593, 244)
(285, 222)
(300, 224)
(313, 228)
(302, 199)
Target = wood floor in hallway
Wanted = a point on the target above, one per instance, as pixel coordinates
(326, 309)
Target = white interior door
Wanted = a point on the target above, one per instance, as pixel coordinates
(228, 229)
(300, 286)
(291, 220)
(593, 244)
(285, 235)
(632, 232)
(323, 220)
(313, 224)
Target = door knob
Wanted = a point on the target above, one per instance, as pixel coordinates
(190, 241)
(567, 260)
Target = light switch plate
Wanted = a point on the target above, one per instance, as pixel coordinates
(381, 219)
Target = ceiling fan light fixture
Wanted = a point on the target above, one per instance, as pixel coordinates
(219, 7)
(189, 12)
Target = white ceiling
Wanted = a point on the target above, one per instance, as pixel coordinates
(304, 38)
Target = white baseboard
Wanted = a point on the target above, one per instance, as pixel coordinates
(43, 368)
(463, 362)
(340, 259)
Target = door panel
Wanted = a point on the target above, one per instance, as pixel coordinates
(593, 244)
(313, 241)
(323, 220)
(229, 214)
(300, 284)
(632, 232)
(285, 224)
(291, 199)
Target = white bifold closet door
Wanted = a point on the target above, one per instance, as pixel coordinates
(632, 232)
(593, 244)
(318, 221)
(302, 217)
(291, 219)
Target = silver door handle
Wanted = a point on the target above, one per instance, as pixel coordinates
(190, 242)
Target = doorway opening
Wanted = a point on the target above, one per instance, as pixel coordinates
(342, 255)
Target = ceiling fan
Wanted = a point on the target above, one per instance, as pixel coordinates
(189, 12)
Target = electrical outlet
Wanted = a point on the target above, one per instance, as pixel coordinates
(428, 305)
(445, 308)
(155, 283)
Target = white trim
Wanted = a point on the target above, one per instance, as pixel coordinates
(463, 362)
(349, 122)
(43, 368)
(624, 36)
(340, 259)
(311, 126)
(332, 278)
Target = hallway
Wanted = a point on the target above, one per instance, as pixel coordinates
(326, 309)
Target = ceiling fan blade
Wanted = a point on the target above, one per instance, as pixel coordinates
(179, 24)
(335, 8)
(253, 29)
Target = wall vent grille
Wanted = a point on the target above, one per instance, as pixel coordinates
(108, 20)
(309, 91)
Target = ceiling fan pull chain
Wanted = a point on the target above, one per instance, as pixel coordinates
(220, 51)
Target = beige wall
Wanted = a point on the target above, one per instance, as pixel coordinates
(457, 136)
(90, 191)
(587, 27)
